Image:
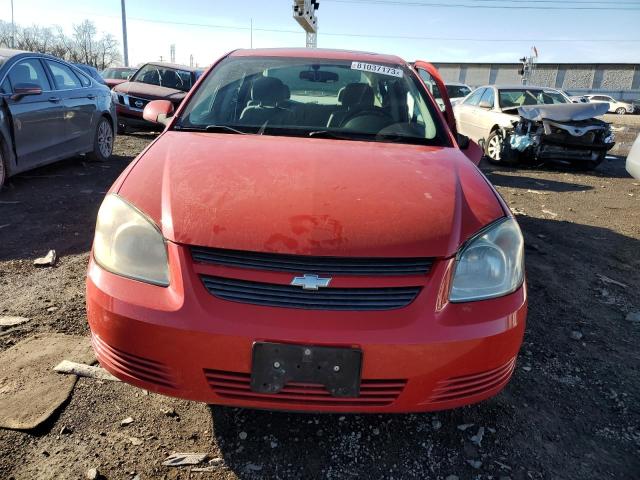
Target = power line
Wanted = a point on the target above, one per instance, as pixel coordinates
(634, 8)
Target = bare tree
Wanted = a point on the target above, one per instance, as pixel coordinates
(83, 46)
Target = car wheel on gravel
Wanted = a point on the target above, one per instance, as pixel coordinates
(621, 111)
(103, 141)
(496, 152)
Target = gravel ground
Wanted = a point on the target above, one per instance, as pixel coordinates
(570, 412)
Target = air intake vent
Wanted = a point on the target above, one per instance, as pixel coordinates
(287, 296)
(458, 388)
(138, 368)
(308, 264)
(373, 393)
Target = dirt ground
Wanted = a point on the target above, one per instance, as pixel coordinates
(570, 412)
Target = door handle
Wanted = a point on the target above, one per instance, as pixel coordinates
(91, 96)
(54, 99)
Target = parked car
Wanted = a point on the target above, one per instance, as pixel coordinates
(515, 123)
(308, 234)
(152, 81)
(577, 98)
(615, 106)
(455, 91)
(50, 110)
(91, 71)
(116, 75)
(633, 159)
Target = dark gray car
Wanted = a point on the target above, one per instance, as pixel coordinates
(50, 110)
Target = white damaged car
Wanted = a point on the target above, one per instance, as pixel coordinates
(525, 123)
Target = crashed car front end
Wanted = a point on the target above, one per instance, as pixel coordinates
(562, 132)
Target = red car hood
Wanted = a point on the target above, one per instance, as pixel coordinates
(151, 92)
(310, 196)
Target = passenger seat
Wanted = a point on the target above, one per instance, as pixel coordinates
(266, 94)
(353, 98)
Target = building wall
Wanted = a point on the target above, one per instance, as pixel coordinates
(619, 80)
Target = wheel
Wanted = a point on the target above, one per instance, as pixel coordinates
(103, 141)
(621, 111)
(498, 153)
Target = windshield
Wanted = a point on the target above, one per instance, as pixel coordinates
(517, 97)
(457, 91)
(323, 98)
(118, 73)
(164, 77)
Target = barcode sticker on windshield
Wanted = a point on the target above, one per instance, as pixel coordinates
(370, 67)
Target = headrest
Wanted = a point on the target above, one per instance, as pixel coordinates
(268, 90)
(356, 94)
(20, 74)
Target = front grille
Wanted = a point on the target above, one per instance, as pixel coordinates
(236, 386)
(310, 264)
(138, 368)
(287, 296)
(458, 388)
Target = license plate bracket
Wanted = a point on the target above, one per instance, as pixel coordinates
(276, 364)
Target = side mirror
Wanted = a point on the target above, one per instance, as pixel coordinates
(158, 111)
(470, 149)
(485, 104)
(25, 89)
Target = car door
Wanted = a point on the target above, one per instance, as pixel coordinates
(484, 118)
(79, 101)
(431, 77)
(467, 112)
(37, 120)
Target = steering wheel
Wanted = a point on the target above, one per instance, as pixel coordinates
(381, 120)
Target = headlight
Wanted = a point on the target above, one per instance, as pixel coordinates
(490, 265)
(114, 96)
(127, 243)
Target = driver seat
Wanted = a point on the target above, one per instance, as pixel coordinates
(353, 98)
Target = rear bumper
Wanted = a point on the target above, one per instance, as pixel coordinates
(183, 342)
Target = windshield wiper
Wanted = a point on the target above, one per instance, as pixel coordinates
(212, 129)
(330, 134)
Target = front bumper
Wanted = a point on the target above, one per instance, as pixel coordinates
(133, 118)
(182, 341)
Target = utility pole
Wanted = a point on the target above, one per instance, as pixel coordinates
(124, 34)
(13, 28)
(251, 32)
(172, 53)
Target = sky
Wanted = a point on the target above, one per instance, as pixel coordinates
(582, 31)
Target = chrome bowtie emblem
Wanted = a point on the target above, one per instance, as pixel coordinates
(310, 282)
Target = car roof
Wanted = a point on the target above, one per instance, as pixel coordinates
(176, 66)
(324, 53)
(11, 52)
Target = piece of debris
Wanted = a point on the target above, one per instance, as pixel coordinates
(436, 424)
(8, 321)
(475, 463)
(526, 368)
(93, 474)
(549, 212)
(611, 281)
(49, 260)
(181, 459)
(170, 412)
(203, 469)
(136, 441)
(65, 430)
(242, 435)
(633, 317)
(576, 335)
(464, 426)
(82, 370)
(52, 309)
(126, 421)
(537, 192)
(253, 467)
(274, 444)
(9, 202)
(477, 438)
(5, 226)
(216, 461)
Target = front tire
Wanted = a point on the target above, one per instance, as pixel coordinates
(103, 141)
(621, 111)
(498, 153)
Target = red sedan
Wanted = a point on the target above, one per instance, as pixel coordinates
(308, 233)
